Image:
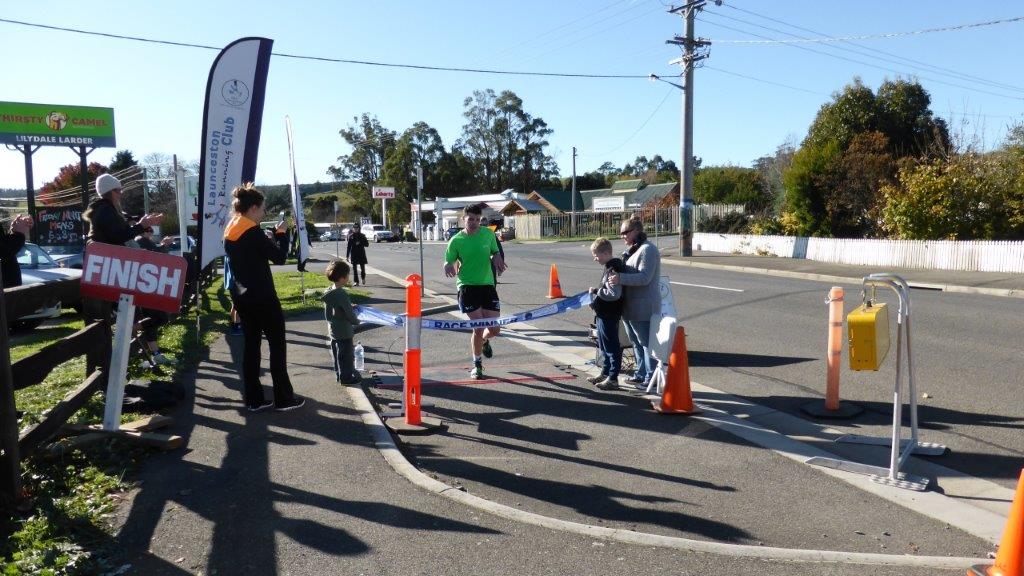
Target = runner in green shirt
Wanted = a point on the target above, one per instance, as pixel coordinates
(474, 249)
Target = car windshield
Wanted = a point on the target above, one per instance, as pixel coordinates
(378, 228)
(32, 256)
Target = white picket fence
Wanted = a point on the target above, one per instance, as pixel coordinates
(971, 256)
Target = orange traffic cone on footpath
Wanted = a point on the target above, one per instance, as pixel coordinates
(677, 398)
(1010, 557)
(554, 287)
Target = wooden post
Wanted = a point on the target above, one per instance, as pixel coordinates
(10, 460)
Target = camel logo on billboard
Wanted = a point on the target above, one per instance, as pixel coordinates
(55, 125)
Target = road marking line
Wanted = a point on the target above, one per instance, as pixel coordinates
(706, 286)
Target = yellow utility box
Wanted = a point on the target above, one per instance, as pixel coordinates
(868, 332)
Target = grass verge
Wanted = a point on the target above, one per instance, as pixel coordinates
(63, 525)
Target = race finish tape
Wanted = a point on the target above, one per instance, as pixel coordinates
(369, 315)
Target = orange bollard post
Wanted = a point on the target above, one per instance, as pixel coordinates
(413, 421)
(554, 287)
(413, 312)
(677, 398)
(833, 358)
(1010, 557)
(835, 347)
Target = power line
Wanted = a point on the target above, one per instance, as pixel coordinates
(867, 36)
(326, 59)
(533, 40)
(637, 131)
(932, 68)
(762, 80)
(861, 62)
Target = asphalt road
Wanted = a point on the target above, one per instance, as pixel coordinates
(763, 338)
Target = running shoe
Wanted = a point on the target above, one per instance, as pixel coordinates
(596, 379)
(609, 383)
(293, 404)
(260, 408)
(477, 373)
(488, 352)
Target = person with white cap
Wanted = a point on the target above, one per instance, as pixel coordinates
(106, 222)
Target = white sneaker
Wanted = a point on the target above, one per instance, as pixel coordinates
(162, 360)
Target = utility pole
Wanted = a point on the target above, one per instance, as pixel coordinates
(694, 50)
(572, 216)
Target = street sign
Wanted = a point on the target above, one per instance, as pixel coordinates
(383, 192)
(155, 280)
(56, 125)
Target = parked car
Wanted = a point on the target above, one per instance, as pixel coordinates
(377, 232)
(37, 267)
(336, 234)
(176, 245)
(67, 256)
(451, 232)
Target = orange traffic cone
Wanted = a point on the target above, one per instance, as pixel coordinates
(555, 288)
(677, 398)
(1010, 557)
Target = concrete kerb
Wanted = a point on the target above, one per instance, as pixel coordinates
(1004, 292)
(385, 443)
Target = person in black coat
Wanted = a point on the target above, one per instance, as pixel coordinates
(108, 226)
(355, 253)
(11, 242)
(106, 222)
(255, 297)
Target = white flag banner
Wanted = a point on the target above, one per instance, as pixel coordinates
(232, 118)
(300, 219)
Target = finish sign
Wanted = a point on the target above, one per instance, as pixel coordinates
(155, 280)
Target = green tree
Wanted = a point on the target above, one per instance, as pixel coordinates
(506, 144)
(421, 146)
(122, 160)
(730, 185)
(371, 144)
(851, 150)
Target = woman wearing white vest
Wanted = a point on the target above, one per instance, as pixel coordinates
(641, 295)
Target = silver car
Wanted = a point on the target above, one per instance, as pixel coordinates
(38, 267)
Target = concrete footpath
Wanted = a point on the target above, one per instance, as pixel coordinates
(536, 472)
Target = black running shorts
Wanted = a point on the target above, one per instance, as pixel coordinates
(473, 298)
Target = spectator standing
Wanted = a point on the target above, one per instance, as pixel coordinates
(642, 295)
(254, 295)
(107, 225)
(157, 318)
(607, 305)
(12, 240)
(355, 253)
(341, 318)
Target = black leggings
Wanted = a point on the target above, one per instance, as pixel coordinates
(355, 273)
(259, 318)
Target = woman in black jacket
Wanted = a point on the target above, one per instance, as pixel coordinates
(355, 253)
(254, 295)
(106, 223)
(10, 244)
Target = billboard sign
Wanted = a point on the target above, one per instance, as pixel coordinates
(154, 279)
(56, 125)
(609, 204)
(383, 192)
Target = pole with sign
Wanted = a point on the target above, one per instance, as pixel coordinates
(383, 192)
(130, 277)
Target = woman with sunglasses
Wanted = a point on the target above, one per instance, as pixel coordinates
(641, 295)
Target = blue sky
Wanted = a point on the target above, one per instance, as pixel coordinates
(157, 91)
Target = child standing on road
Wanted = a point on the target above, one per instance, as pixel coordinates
(341, 317)
(607, 305)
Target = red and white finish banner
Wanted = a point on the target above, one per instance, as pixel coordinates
(155, 280)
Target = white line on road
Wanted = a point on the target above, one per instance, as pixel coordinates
(706, 286)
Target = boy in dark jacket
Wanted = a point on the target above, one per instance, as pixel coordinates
(607, 305)
(340, 319)
(254, 295)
